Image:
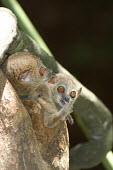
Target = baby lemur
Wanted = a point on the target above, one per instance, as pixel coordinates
(25, 72)
(57, 98)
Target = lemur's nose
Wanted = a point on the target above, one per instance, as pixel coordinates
(67, 98)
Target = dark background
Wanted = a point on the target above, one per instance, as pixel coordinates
(79, 34)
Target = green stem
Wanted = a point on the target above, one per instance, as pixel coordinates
(108, 161)
(26, 25)
(82, 125)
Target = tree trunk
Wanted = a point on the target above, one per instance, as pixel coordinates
(19, 148)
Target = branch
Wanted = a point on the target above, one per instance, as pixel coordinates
(8, 30)
(24, 22)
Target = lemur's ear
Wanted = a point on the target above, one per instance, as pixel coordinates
(79, 91)
(53, 79)
(26, 76)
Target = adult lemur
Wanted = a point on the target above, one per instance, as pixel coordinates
(25, 72)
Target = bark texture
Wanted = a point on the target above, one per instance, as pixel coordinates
(19, 148)
(54, 142)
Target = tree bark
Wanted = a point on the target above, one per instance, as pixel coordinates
(19, 148)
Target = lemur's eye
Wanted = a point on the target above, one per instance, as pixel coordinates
(61, 89)
(42, 71)
(73, 94)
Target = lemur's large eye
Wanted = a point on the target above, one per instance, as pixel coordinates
(73, 94)
(61, 89)
(42, 71)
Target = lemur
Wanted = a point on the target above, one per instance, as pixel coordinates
(57, 97)
(25, 72)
